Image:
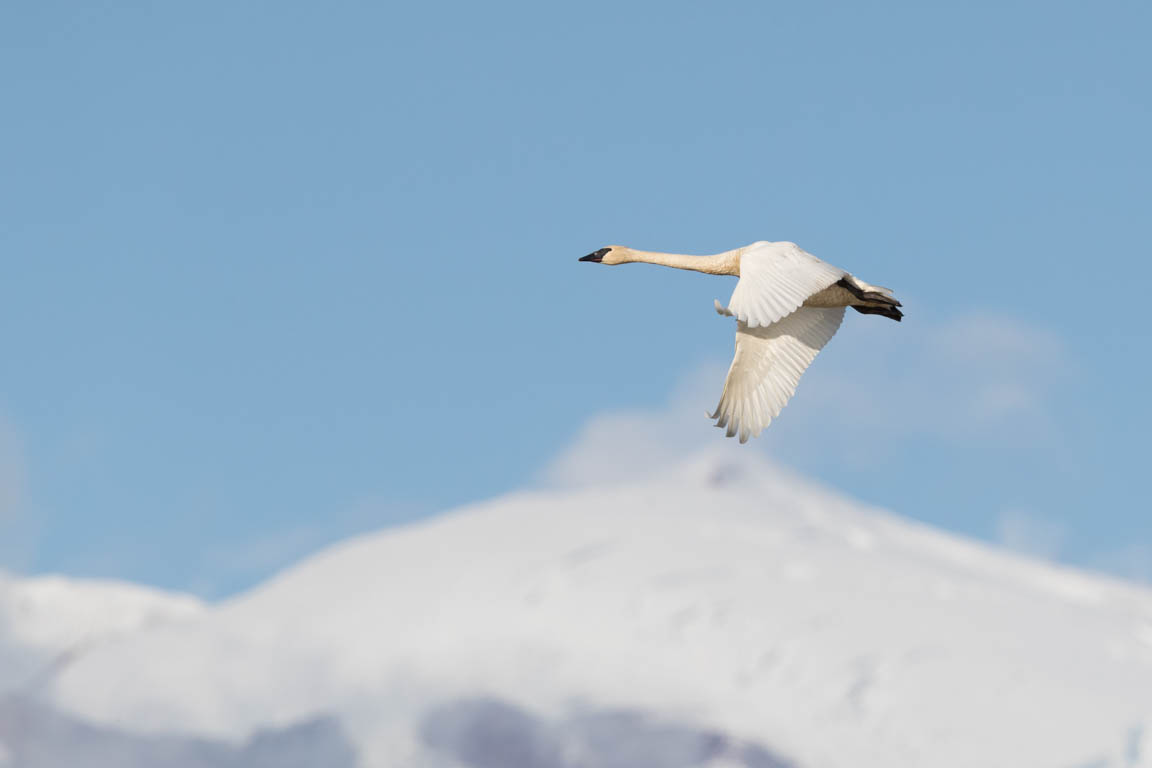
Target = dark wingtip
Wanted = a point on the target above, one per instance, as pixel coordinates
(595, 256)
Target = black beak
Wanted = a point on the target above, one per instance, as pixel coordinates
(597, 256)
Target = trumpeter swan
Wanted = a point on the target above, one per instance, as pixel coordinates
(787, 305)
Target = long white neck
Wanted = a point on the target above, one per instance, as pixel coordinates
(727, 263)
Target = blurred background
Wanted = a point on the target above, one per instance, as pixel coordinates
(277, 274)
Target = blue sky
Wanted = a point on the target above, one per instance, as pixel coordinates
(274, 273)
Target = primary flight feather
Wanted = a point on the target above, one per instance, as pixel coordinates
(787, 305)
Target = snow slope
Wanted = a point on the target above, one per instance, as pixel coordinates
(723, 612)
(48, 619)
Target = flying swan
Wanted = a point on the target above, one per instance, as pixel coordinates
(787, 305)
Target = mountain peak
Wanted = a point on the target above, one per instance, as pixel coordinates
(725, 596)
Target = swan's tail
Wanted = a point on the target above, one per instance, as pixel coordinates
(871, 299)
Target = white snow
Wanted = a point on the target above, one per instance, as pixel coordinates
(724, 593)
(46, 620)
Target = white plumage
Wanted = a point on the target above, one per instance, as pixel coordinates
(767, 367)
(775, 279)
(787, 305)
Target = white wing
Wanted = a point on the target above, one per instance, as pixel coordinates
(775, 279)
(768, 365)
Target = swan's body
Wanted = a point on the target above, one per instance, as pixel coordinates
(787, 305)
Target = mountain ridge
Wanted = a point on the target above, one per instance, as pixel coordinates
(726, 595)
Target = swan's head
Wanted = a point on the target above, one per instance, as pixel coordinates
(613, 254)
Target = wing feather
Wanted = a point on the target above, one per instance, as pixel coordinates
(775, 279)
(768, 364)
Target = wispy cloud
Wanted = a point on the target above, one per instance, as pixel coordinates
(621, 445)
(876, 387)
(1132, 561)
(1045, 538)
(1030, 534)
(966, 380)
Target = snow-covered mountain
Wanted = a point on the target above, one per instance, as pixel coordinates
(48, 619)
(46, 623)
(721, 613)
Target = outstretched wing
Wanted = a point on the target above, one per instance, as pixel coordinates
(775, 279)
(768, 365)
